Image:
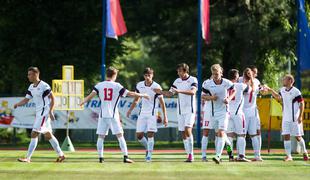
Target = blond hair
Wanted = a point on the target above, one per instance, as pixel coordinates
(216, 67)
(290, 77)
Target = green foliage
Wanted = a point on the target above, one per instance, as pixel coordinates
(161, 34)
(6, 136)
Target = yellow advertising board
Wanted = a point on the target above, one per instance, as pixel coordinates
(265, 112)
(69, 93)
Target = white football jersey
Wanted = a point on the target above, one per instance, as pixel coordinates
(221, 91)
(40, 94)
(186, 103)
(291, 99)
(109, 93)
(149, 106)
(251, 97)
(236, 104)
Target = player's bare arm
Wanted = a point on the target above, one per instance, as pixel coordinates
(230, 97)
(133, 105)
(274, 93)
(165, 93)
(163, 107)
(301, 109)
(208, 97)
(88, 98)
(187, 92)
(22, 102)
(52, 105)
(134, 94)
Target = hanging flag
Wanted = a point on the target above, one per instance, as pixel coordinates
(205, 20)
(303, 38)
(275, 108)
(115, 21)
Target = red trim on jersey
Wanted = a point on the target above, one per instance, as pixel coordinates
(243, 125)
(251, 96)
(42, 121)
(300, 100)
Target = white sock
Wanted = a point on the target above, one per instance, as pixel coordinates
(185, 146)
(143, 141)
(220, 146)
(55, 144)
(302, 145)
(215, 141)
(204, 146)
(190, 142)
(241, 145)
(32, 146)
(100, 146)
(288, 148)
(259, 137)
(123, 145)
(150, 146)
(255, 145)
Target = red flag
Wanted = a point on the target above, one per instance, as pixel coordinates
(205, 20)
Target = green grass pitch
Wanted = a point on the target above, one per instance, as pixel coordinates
(170, 165)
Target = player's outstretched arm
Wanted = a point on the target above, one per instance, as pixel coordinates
(134, 94)
(88, 98)
(163, 107)
(208, 97)
(165, 93)
(274, 93)
(133, 105)
(187, 92)
(22, 102)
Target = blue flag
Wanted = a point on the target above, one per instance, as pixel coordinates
(303, 37)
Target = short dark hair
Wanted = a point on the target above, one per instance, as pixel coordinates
(232, 74)
(184, 67)
(148, 70)
(34, 69)
(111, 71)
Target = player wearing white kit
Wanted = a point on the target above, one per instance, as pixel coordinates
(185, 86)
(236, 123)
(109, 93)
(293, 108)
(216, 91)
(147, 119)
(251, 112)
(41, 94)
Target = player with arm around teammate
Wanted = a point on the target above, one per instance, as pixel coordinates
(109, 93)
(293, 108)
(147, 119)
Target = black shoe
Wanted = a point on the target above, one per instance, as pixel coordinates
(127, 160)
(217, 160)
(101, 160)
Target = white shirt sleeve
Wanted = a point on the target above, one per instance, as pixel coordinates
(122, 91)
(28, 94)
